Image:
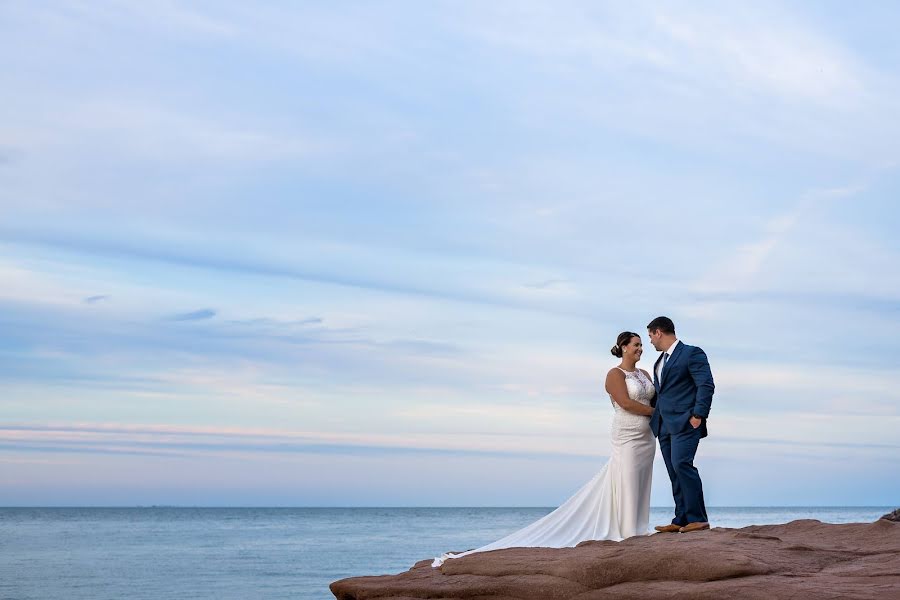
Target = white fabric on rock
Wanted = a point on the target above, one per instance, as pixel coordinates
(615, 504)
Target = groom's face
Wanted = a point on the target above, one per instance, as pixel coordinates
(655, 336)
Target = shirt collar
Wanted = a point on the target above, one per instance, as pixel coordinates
(672, 348)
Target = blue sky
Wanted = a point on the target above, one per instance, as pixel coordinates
(376, 253)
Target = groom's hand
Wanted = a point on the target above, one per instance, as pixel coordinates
(695, 422)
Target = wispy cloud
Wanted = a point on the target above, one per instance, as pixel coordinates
(262, 268)
(197, 315)
(166, 440)
(546, 284)
(764, 51)
(164, 15)
(174, 440)
(154, 133)
(758, 72)
(738, 272)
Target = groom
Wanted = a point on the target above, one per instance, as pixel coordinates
(684, 391)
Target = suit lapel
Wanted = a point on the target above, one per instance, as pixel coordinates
(671, 362)
(656, 382)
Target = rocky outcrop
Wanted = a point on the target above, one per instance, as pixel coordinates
(892, 516)
(799, 560)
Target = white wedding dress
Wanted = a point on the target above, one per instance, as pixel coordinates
(615, 504)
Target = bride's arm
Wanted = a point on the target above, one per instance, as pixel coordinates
(618, 391)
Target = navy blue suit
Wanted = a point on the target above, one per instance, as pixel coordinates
(686, 389)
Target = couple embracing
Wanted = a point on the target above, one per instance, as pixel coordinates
(671, 405)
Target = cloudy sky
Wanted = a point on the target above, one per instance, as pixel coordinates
(364, 253)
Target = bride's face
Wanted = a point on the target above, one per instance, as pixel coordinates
(634, 348)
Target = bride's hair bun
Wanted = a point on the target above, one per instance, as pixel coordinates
(616, 351)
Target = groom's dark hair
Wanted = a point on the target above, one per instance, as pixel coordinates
(663, 324)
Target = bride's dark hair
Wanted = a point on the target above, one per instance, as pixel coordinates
(623, 340)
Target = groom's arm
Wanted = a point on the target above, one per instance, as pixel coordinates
(703, 379)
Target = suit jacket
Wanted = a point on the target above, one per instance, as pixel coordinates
(686, 388)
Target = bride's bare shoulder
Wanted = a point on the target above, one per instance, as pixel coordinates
(615, 371)
(614, 375)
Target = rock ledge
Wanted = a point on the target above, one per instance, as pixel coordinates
(798, 560)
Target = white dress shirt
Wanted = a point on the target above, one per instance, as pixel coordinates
(659, 367)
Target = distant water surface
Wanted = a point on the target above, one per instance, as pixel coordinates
(241, 553)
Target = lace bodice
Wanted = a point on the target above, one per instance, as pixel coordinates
(640, 389)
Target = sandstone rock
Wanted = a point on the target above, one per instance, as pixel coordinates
(799, 560)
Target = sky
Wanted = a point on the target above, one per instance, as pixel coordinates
(375, 254)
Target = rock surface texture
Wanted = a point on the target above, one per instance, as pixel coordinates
(799, 560)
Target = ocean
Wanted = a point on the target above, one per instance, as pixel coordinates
(242, 553)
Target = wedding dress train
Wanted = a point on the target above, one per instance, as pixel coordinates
(615, 503)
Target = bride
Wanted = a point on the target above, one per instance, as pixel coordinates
(615, 504)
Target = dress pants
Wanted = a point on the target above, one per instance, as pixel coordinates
(678, 450)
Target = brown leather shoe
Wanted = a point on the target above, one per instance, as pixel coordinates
(668, 528)
(694, 527)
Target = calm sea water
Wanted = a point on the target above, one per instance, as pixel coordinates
(241, 553)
